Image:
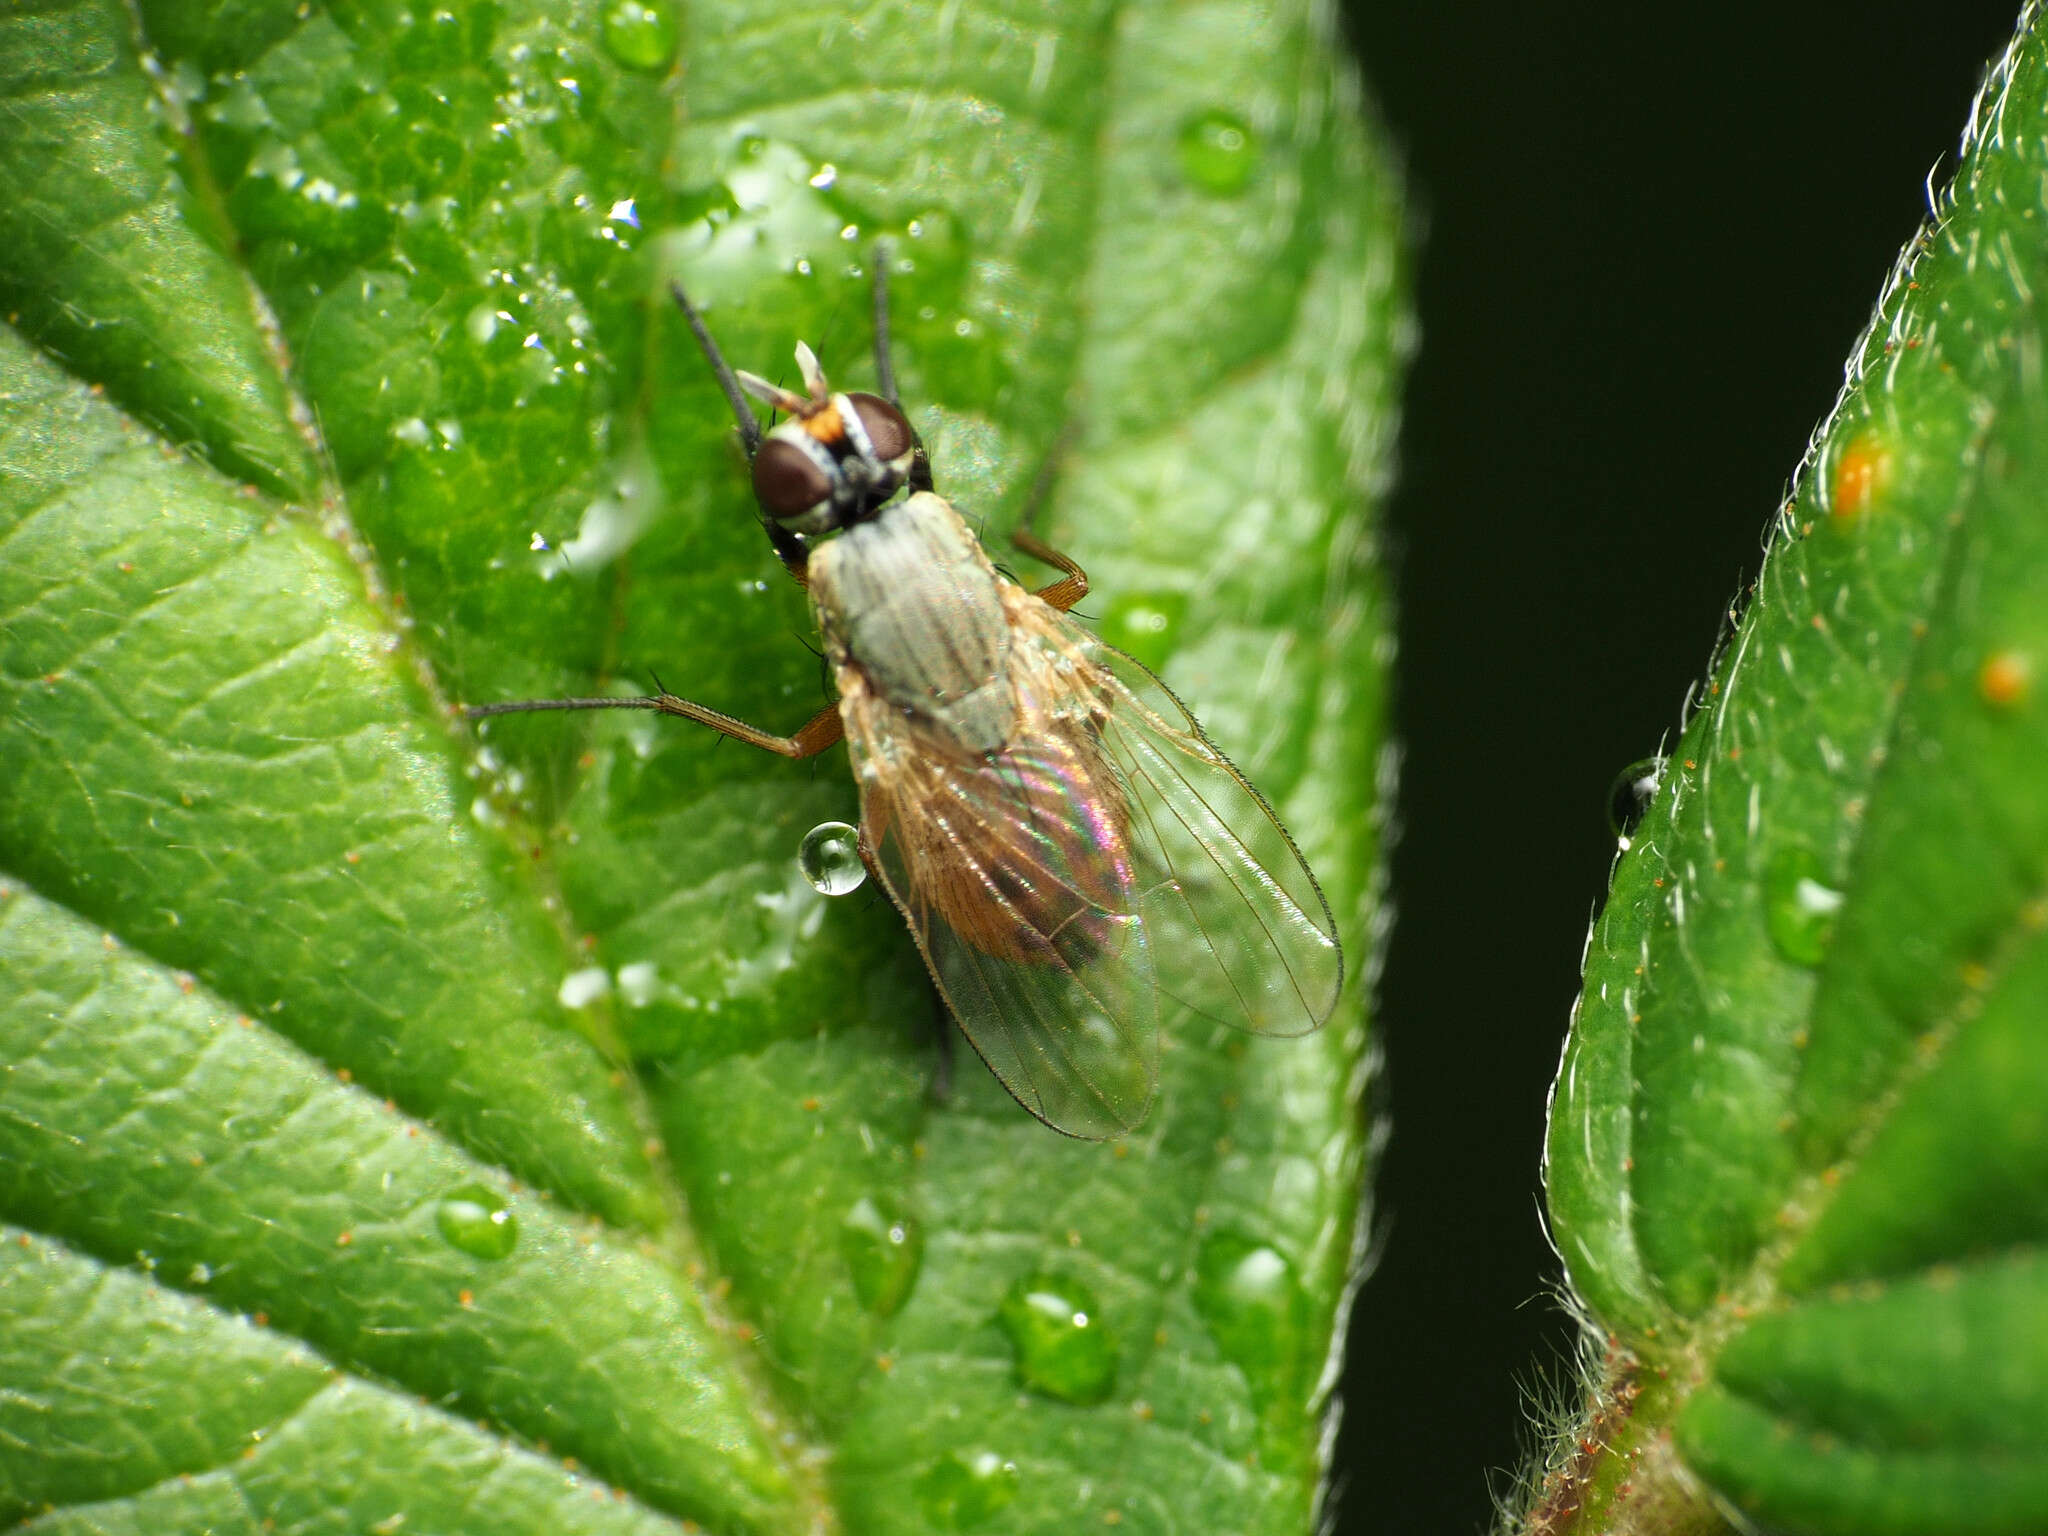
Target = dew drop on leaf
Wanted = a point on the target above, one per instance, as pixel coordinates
(1218, 152)
(1254, 1308)
(1799, 906)
(1145, 625)
(475, 1220)
(1063, 1349)
(830, 859)
(883, 1249)
(1630, 795)
(640, 36)
(960, 1492)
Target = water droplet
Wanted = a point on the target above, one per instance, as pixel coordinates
(639, 983)
(1145, 625)
(581, 988)
(1218, 152)
(475, 1220)
(1062, 1348)
(1630, 795)
(830, 859)
(1799, 906)
(764, 218)
(1253, 1307)
(639, 35)
(883, 1248)
(959, 1491)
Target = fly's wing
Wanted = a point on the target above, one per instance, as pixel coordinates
(1015, 874)
(1239, 930)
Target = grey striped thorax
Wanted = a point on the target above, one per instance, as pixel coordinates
(909, 598)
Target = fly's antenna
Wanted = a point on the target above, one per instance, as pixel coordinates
(920, 476)
(743, 414)
(885, 370)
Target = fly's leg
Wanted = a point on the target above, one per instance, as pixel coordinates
(817, 733)
(1073, 583)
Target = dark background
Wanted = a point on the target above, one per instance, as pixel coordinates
(1648, 237)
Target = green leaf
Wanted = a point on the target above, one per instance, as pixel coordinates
(1798, 1149)
(441, 1135)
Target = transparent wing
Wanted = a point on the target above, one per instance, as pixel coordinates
(1106, 863)
(1016, 876)
(1239, 930)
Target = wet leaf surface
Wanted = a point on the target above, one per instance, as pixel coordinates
(413, 1130)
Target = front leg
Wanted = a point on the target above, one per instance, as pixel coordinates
(1073, 583)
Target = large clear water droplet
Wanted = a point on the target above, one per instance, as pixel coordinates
(1062, 1348)
(1253, 1307)
(475, 1220)
(640, 35)
(959, 1491)
(830, 858)
(883, 1248)
(1219, 151)
(1799, 905)
(1630, 796)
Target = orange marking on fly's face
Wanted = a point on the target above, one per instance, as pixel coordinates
(2002, 680)
(824, 424)
(1862, 474)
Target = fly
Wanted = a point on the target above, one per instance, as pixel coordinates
(1071, 853)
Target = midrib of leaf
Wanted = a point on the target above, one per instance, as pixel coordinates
(333, 519)
(677, 1241)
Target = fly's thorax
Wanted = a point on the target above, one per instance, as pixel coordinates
(909, 600)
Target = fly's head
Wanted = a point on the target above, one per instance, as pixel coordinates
(835, 460)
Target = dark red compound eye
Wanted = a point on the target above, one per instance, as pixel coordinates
(888, 433)
(787, 482)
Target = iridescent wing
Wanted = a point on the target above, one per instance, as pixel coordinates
(1240, 932)
(1017, 882)
(1109, 865)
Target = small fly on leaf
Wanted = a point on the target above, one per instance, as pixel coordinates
(1073, 856)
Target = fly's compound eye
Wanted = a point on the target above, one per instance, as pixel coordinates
(888, 433)
(787, 482)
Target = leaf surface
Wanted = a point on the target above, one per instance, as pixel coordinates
(1797, 1147)
(503, 1136)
